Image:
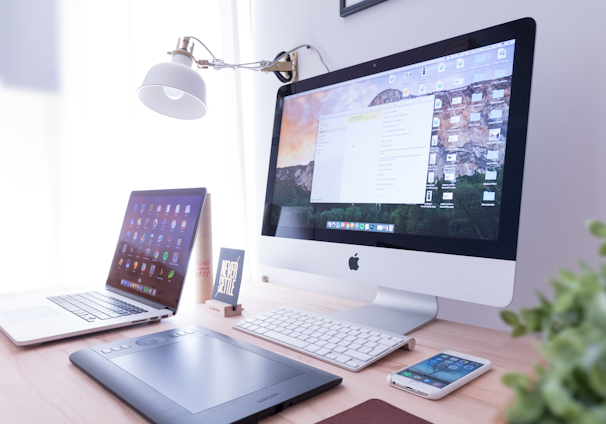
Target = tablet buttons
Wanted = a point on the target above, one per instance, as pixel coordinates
(150, 341)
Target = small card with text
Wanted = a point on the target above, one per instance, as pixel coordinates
(229, 276)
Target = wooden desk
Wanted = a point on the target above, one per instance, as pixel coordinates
(38, 384)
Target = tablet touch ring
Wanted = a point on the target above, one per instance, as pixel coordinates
(150, 341)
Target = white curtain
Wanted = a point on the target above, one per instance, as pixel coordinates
(71, 156)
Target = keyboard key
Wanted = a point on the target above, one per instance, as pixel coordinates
(330, 346)
(364, 349)
(374, 338)
(303, 337)
(261, 330)
(286, 339)
(321, 343)
(107, 351)
(379, 350)
(344, 343)
(349, 338)
(371, 344)
(340, 349)
(312, 348)
(343, 359)
(355, 346)
(312, 340)
(352, 364)
(322, 352)
(117, 348)
(331, 356)
(360, 356)
(387, 342)
(294, 334)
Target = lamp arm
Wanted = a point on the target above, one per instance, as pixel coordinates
(261, 65)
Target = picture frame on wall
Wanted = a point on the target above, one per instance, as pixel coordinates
(349, 7)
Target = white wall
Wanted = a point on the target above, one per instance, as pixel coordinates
(565, 151)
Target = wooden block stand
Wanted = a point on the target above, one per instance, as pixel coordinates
(223, 309)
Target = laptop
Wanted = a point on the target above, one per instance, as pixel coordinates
(145, 280)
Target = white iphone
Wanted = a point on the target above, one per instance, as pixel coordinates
(440, 374)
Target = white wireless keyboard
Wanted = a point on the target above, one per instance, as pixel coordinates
(341, 343)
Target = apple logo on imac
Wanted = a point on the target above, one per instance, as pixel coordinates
(353, 262)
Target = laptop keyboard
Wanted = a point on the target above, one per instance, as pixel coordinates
(95, 306)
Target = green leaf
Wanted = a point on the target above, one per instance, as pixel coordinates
(564, 302)
(516, 381)
(510, 318)
(519, 330)
(597, 228)
(532, 317)
(528, 408)
(603, 250)
(567, 276)
(559, 400)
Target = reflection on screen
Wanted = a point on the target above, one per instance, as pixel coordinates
(441, 370)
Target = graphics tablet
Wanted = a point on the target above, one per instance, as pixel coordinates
(193, 375)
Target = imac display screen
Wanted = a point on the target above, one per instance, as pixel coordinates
(416, 150)
(408, 153)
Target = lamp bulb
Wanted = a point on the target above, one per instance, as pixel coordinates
(173, 93)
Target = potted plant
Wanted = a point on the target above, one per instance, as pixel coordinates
(570, 387)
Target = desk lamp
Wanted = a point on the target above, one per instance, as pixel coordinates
(176, 90)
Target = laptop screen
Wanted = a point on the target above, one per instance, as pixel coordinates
(155, 244)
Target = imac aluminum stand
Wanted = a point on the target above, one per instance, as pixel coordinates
(398, 311)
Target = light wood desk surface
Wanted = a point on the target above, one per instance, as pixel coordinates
(39, 384)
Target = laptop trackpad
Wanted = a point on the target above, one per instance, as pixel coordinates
(205, 372)
(29, 314)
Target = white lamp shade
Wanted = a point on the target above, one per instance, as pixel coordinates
(175, 76)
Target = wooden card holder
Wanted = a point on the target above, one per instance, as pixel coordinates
(223, 309)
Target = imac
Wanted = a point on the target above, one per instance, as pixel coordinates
(405, 172)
